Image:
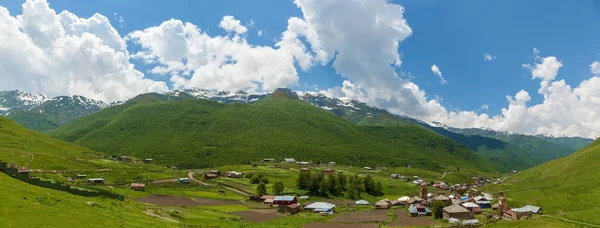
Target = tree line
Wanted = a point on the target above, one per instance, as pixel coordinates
(319, 184)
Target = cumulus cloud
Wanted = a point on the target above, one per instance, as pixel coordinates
(194, 59)
(484, 107)
(488, 57)
(230, 24)
(58, 54)
(543, 68)
(436, 70)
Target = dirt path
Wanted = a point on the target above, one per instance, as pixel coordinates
(238, 191)
(149, 212)
(445, 174)
(191, 176)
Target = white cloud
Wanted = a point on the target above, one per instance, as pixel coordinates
(488, 57)
(60, 54)
(230, 24)
(595, 68)
(259, 33)
(563, 111)
(195, 59)
(544, 68)
(436, 70)
(484, 107)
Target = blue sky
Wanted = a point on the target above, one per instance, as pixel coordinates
(453, 35)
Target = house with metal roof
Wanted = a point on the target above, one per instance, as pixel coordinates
(419, 211)
(534, 209)
(456, 211)
(289, 160)
(320, 207)
(285, 200)
(362, 202)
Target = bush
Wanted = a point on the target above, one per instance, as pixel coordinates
(264, 180)
(254, 179)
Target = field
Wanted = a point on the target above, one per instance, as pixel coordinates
(565, 188)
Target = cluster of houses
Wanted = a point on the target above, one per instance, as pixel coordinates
(293, 161)
(289, 204)
(124, 158)
(505, 212)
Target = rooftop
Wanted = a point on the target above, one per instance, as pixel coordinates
(284, 198)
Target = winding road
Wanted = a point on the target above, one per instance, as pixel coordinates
(230, 188)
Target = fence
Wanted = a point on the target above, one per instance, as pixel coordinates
(24, 176)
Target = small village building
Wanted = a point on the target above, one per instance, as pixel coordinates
(331, 164)
(404, 199)
(473, 208)
(483, 203)
(367, 168)
(441, 198)
(289, 160)
(304, 170)
(215, 172)
(267, 199)
(292, 209)
(125, 158)
(419, 211)
(534, 209)
(285, 200)
(362, 202)
(456, 211)
(518, 213)
(269, 160)
(394, 176)
(320, 207)
(234, 174)
(96, 180)
(395, 203)
(328, 171)
(210, 176)
(414, 200)
(138, 187)
(184, 180)
(382, 204)
(148, 160)
(81, 176)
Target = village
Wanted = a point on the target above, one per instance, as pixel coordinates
(433, 202)
(458, 204)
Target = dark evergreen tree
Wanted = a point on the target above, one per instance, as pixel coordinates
(261, 190)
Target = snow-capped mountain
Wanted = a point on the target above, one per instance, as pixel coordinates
(41, 112)
(222, 96)
(14, 100)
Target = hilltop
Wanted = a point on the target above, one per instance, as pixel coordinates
(204, 133)
(567, 185)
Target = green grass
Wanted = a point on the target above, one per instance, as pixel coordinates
(568, 185)
(25, 205)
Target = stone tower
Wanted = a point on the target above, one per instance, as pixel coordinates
(502, 203)
(424, 191)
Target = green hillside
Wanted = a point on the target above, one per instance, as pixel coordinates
(568, 185)
(541, 147)
(18, 145)
(203, 133)
(505, 155)
(25, 205)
